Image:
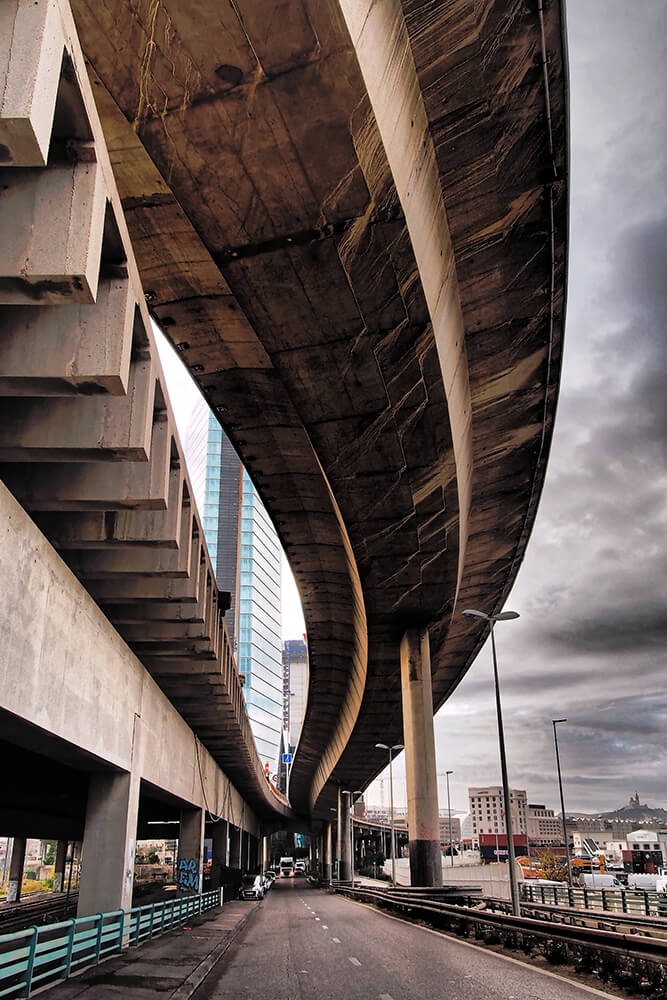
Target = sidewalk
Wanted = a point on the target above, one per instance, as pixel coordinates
(169, 968)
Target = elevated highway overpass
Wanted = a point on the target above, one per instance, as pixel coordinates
(351, 220)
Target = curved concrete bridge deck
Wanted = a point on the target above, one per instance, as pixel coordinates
(351, 220)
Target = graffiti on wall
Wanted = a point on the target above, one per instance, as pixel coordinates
(188, 874)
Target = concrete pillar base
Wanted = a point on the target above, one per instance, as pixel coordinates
(425, 863)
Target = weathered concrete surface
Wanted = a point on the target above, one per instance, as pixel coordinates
(65, 670)
(420, 766)
(354, 229)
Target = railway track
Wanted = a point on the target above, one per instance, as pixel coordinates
(45, 908)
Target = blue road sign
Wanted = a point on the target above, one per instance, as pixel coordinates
(287, 758)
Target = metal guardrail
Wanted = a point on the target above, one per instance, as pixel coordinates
(41, 956)
(645, 948)
(632, 901)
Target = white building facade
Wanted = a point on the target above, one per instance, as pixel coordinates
(487, 810)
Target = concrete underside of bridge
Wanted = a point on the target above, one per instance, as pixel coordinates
(351, 220)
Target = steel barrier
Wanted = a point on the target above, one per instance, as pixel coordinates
(458, 917)
(40, 956)
(633, 901)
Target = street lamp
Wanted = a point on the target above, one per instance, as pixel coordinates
(492, 619)
(449, 813)
(554, 723)
(396, 746)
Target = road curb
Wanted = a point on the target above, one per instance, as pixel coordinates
(206, 966)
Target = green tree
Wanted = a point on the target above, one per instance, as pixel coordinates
(553, 865)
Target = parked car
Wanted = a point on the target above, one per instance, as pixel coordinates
(252, 887)
(300, 868)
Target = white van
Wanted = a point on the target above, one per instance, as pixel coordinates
(644, 882)
(598, 880)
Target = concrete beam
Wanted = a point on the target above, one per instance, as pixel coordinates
(82, 428)
(118, 528)
(31, 54)
(68, 349)
(98, 485)
(56, 217)
(140, 560)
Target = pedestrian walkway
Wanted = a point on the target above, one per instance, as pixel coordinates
(169, 968)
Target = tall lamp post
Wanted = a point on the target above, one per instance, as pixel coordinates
(492, 619)
(449, 813)
(397, 747)
(554, 723)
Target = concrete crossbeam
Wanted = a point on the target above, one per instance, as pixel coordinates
(98, 485)
(164, 589)
(119, 528)
(31, 53)
(56, 218)
(84, 428)
(139, 560)
(68, 349)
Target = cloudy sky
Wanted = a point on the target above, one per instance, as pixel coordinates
(592, 638)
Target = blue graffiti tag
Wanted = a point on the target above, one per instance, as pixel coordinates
(188, 876)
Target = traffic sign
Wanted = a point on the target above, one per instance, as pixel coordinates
(287, 758)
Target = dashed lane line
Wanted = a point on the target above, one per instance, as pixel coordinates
(336, 940)
(355, 961)
(495, 954)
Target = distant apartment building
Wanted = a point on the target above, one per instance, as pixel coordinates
(544, 828)
(246, 556)
(488, 813)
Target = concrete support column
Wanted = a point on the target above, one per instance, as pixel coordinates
(339, 833)
(59, 868)
(191, 850)
(345, 856)
(218, 852)
(234, 847)
(420, 768)
(109, 844)
(16, 870)
(266, 853)
(327, 852)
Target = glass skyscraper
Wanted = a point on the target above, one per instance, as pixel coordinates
(246, 555)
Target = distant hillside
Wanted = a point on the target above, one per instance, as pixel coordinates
(638, 812)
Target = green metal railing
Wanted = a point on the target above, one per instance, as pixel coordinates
(41, 956)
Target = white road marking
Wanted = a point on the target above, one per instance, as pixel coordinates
(495, 954)
(355, 961)
(317, 918)
(385, 996)
(324, 927)
(336, 940)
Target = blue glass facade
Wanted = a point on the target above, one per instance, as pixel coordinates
(259, 627)
(246, 556)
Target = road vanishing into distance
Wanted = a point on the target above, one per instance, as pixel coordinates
(307, 944)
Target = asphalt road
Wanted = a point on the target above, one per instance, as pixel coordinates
(305, 944)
